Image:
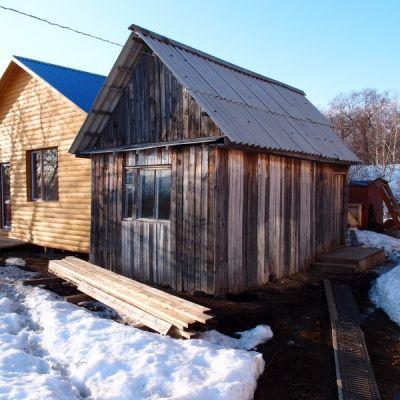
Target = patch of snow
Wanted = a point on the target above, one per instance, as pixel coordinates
(390, 244)
(51, 349)
(15, 261)
(248, 339)
(385, 293)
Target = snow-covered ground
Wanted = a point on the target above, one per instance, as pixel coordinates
(50, 349)
(385, 292)
(390, 244)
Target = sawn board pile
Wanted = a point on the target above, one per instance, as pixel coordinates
(140, 304)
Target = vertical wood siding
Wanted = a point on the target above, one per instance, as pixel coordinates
(32, 116)
(155, 108)
(238, 219)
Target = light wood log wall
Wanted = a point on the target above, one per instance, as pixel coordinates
(33, 116)
(238, 218)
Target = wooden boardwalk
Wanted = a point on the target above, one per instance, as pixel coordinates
(8, 243)
(355, 376)
(141, 304)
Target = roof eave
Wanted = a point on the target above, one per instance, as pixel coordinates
(108, 97)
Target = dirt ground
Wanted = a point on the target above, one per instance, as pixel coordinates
(299, 359)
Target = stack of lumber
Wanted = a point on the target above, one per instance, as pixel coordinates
(139, 303)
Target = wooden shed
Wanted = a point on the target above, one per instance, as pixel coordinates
(206, 176)
(45, 191)
(365, 196)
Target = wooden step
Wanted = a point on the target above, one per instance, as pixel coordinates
(334, 268)
(364, 257)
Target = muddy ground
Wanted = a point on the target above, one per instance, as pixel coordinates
(299, 359)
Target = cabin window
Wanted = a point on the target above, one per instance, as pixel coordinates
(147, 193)
(43, 165)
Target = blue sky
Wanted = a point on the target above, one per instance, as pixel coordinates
(323, 47)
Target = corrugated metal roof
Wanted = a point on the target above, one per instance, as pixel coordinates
(249, 108)
(78, 86)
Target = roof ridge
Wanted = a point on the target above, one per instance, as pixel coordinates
(212, 58)
(20, 58)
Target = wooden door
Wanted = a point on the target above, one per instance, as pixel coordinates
(5, 195)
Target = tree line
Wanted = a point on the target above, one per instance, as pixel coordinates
(369, 123)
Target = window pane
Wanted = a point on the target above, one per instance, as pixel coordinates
(164, 193)
(50, 175)
(147, 194)
(5, 177)
(129, 177)
(6, 182)
(128, 207)
(36, 175)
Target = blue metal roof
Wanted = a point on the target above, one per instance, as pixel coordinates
(78, 86)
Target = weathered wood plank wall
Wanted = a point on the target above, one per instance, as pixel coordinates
(155, 108)
(33, 116)
(238, 219)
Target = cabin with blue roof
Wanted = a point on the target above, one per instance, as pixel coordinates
(44, 190)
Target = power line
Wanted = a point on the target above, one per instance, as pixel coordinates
(61, 26)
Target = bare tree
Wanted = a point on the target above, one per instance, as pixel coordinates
(369, 123)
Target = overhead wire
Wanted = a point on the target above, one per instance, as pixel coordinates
(60, 26)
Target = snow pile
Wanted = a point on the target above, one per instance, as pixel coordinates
(248, 340)
(50, 349)
(391, 173)
(25, 371)
(385, 293)
(373, 239)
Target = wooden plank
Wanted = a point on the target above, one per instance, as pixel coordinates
(160, 297)
(85, 267)
(197, 227)
(235, 218)
(131, 312)
(134, 298)
(78, 298)
(46, 281)
(203, 219)
(8, 242)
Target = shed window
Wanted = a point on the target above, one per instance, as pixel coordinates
(44, 174)
(147, 193)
